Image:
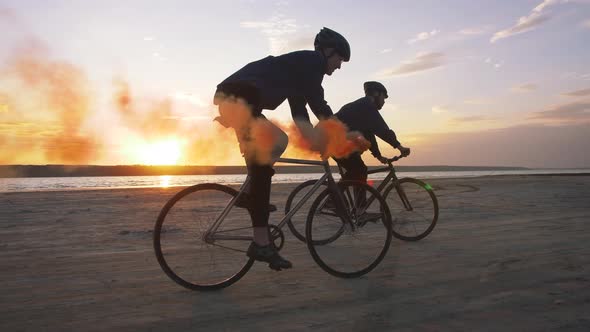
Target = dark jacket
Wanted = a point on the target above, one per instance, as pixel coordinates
(295, 76)
(362, 115)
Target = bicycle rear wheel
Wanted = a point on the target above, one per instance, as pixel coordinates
(354, 248)
(180, 233)
(414, 209)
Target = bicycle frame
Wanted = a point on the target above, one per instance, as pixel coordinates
(389, 178)
(211, 234)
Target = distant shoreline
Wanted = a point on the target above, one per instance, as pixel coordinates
(21, 171)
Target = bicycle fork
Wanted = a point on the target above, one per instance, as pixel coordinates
(404, 198)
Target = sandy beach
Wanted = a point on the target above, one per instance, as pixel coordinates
(509, 253)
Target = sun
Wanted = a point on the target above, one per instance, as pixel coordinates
(165, 152)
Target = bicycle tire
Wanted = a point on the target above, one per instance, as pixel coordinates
(416, 223)
(381, 229)
(172, 229)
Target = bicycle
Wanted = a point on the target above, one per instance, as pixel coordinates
(414, 209)
(201, 242)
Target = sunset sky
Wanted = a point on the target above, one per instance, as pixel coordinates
(497, 83)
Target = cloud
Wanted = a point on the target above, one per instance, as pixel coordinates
(276, 29)
(577, 112)
(577, 93)
(544, 4)
(439, 109)
(387, 50)
(524, 24)
(586, 24)
(422, 62)
(304, 42)
(494, 63)
(576, 76)
(423, 36)
(527, 23)
(476, 102)
(523, 88)
(470, 119)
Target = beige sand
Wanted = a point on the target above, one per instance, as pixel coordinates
(509, 253)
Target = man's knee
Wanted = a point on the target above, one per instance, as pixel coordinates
(280, 146)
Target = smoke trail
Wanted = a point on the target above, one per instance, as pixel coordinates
(49, 104)
(151, 119)
(330, 136)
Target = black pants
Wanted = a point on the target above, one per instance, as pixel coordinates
(354, 167)
(251, 130)
(355, 170)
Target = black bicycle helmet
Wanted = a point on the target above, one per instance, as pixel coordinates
(329, 38)
(373, 86)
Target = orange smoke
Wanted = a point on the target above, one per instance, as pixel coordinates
(151, 119)
(340, 143)
(214, 146)
(46, 105)
(54, 94)
(330, 136)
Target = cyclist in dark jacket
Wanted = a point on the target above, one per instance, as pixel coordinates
(265, 84)
(363, 115)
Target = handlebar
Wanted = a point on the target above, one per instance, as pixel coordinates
(393, 159)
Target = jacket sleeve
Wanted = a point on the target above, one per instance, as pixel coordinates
(298, 109)
(381, 129)
(314, 96)
(374, 147)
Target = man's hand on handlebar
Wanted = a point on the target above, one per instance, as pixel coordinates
(383, 160)
(405, 151)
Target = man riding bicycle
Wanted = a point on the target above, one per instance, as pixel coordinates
(265, 84)
(363, 115)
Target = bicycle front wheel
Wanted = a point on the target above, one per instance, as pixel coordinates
(356, 246)
(297, 222)
(192, 256)
(414, 209)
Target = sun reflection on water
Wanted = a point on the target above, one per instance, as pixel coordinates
(165, 181)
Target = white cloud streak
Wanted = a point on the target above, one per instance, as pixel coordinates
(577, 93)
(470, 119)
(527, 23)
(440, 109)
(422, 62)
(476, 102)
(577, 112)
(524, 24)
(423, 36)
(276, 29)
(523, 88)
